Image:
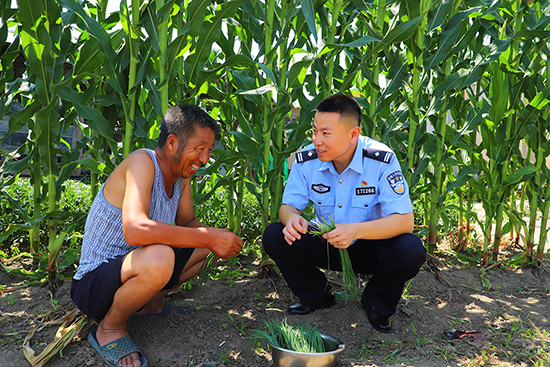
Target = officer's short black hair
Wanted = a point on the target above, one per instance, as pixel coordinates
(182, 121)
(344, 105)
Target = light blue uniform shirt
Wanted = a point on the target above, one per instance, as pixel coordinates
(371, 187)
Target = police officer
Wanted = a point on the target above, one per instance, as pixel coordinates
(358, 182)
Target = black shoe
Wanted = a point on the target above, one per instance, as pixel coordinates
(379, 322)
(302, 309)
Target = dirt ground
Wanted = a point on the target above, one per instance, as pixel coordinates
(506, 311)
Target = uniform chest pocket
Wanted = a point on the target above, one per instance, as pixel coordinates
(323, 203)
(362, 208)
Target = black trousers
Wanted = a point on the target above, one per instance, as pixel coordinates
(391, 262)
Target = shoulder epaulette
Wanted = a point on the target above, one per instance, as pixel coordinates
(306, 155)
(379, 155)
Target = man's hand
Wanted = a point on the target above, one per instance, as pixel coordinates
(224, 243)
(295, 226)
(342, 236)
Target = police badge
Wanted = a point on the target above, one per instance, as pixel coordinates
(397, 182)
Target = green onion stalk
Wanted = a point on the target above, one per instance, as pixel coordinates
(204, 270)
(349, 280)
(299, 337)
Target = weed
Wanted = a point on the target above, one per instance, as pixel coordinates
(419, 341)
(189, 284)
(258, 347)
(521, 344)
(11, 300)
(484, 359)
(453, 321)
(14, 249)
(389, 358)
(238, 324)
(364, 352)
(486, 283)
(406, 294)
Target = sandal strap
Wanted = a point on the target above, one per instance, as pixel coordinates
(119, 348)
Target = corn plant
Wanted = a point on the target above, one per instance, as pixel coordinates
(452, 87)
(51, 107)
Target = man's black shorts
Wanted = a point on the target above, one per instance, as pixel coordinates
(94, 293)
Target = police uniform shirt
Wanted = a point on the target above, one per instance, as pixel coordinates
(371, 187)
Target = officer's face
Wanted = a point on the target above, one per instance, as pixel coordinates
(334, 138)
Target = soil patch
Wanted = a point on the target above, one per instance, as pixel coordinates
(498, 317)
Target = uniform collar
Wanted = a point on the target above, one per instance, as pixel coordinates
(356, 163)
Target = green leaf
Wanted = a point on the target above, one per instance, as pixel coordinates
(258, 91)
(195, 17)
(398, 34)
(29, 12)
(93, 165)
(94, 117)
(97, 31)
(297, 73)
(154, 94)
(89, 57)
(173, 53)
(17, 166)
(48, 120)
(309, 15)
(249, 147)
(360, 42)
(447, 38)
(21, 118)
(519, 175)
(210, 33)
(462, 178)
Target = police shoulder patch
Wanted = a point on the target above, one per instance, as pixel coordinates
(377, 154)
(306, 155)
(396, 182)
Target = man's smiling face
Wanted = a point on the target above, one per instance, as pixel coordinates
(196, 152)
(335, 138)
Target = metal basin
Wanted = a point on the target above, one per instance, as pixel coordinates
(289, 358)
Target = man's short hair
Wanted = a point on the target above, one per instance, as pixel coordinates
(182, 121)
(344, 105)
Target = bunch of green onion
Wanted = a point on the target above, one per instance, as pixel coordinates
(300, 337)
(349, 280)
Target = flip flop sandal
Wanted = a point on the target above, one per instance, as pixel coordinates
(112, 352)
(166, 310)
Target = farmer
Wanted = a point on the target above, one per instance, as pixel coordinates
(357, 182)
(142, 238)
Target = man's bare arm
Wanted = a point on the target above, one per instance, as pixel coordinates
(139, 230)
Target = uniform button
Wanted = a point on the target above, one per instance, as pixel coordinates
(319, 202)
(366, 205)
(340, 181)
(339, 206)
